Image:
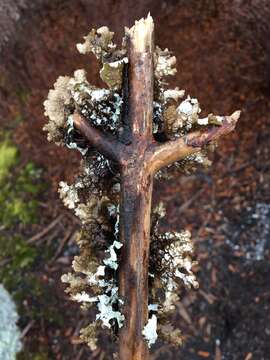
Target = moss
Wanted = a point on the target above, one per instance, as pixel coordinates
(20, 276)
(20, 262)
(17, 187)
(8, 158)
(22, 95)
(41, 354)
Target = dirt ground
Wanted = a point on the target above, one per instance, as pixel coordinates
(223, 56)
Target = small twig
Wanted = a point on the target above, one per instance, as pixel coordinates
(78, 327)
(101, 355)
(80, 354)
(61, 245)
(187, 204)
(240, 168)
(45, 231)
(27, 328)
(72, 217)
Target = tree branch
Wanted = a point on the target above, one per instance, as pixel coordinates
(104, 143)
(163, 155)
(136, 193)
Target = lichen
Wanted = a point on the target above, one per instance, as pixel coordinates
(171, 335)
(150, 331)
(164, 64)
(99, 42)
(94, 196)
(170, 266)
(55, 105)
(10, 343)
(112, 73)
(89, 335)
(95, 278)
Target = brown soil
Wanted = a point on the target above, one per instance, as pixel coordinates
(223, 60)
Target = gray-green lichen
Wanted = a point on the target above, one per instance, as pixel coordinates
(170, 268)
(94, 195)
(10, 343)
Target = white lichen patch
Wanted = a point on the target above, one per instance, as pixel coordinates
(106, 299)
(58, 99)
(83, 297)
(153, 307)
(203, 121)
(106, 311)
(105, 302)
(102, 107)
(117, 63)
(10, 343)
(172, 257)
(211, 120)
(188, 112)
(99, 42)
(112, 260)
(177, 257)
(164, 63)
(150, 331)
(199, 158)
(171, 296)
(173, 94)
(68, 194)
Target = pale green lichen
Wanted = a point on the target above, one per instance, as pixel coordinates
(112, 73)
(10, 343)
(171, 335)
(89, 334)
(98, 42)
(164, 64)
(58, 99)
(171, 263)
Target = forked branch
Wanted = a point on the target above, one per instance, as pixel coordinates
(157, 156)
(163, 155)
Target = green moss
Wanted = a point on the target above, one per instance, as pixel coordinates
(22, 95)
(20, 275)
(42, 354)
(8, 158)
(21, 263)
(17, 188)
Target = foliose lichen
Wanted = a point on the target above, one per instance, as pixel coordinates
(10, 343)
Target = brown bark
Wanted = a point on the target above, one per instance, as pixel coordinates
(163, 155)
(136, 190)
(138, 161)
(105, 144)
